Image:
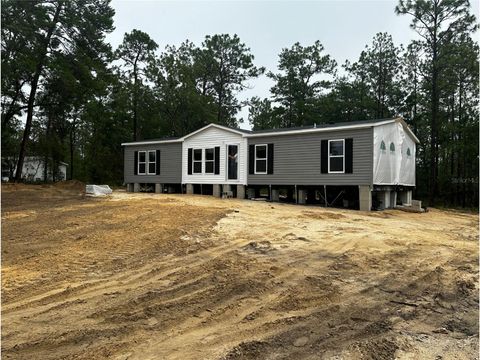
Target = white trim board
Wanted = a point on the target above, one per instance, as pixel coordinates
(151, 142)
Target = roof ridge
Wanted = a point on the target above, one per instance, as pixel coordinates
(252, 133)
(323, 125)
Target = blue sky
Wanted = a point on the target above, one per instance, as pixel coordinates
(343, 27)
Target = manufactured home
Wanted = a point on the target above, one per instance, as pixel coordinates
(363, 165)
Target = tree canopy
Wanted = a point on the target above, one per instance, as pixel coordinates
(67, 96)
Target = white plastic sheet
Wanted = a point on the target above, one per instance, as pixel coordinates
(98, 190)
(395, 163)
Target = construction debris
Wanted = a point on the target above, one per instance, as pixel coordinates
(98, 190)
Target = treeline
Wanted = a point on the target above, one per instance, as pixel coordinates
(68, 96)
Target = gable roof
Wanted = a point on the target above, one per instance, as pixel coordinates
(288, 131)
(332, 127)
(212, 125)
(180, 139)
(323, 126)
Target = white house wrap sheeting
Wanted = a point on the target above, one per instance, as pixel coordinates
(98, 190)
(393, 156)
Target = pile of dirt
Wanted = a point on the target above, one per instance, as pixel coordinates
(323, 215)
(71, 185)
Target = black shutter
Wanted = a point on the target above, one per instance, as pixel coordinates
(157, 165)
(217, 160)
(135, 163)
(251, 159)
(190, 161)
(348, 156)
(270, 159)
(324, 157)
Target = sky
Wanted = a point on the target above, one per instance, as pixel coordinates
(266, 27)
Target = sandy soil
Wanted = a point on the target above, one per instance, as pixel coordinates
(145, 276)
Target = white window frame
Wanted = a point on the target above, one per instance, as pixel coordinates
(266, 160)
(336, 156)
(148, 162)
(197, 161)
(142, 162)
(210, 161)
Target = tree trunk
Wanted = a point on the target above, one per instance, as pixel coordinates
(45, 159)
(463, 179)
(462, 146)
(433, 123)
(33, 92)
(220, 105)
(414, 120)
(72, 148)
(135, 100)
(452, 150)
(10, 111)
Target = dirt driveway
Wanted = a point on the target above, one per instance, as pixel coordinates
(145, 276)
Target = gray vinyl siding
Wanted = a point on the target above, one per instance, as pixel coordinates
(170, 164)
(297, 159)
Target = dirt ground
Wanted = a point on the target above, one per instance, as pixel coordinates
(146, 276)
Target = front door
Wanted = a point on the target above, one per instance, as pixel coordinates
(232, 152)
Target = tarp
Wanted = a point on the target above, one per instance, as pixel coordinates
(394, 159)
(98, 190)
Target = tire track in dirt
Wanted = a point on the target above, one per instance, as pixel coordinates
(291, 283)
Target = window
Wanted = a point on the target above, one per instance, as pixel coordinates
(382, 146)
(152, 162)
(209, 160)
(408, 152)
(260, 159)
(232, 162)
(142, 162)
(392, 147)
(336, 156)
(197, 161)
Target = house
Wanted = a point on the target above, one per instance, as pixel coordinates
(360, 164)
(33, 169)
